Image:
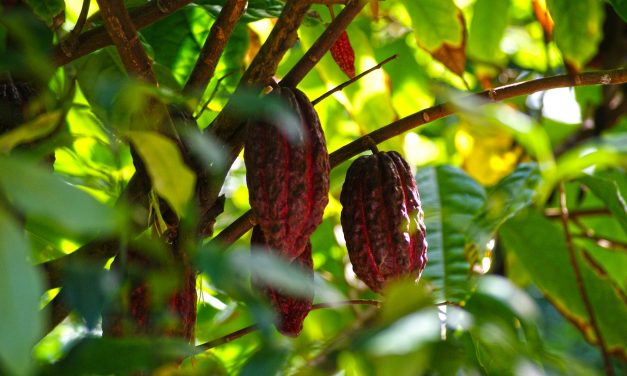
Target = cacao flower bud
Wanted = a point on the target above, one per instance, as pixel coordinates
(291, 310)
(382, 219)
(288, 180)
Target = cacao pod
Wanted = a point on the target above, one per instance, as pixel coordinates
(291, 310)
(382, 220)
(288, 180)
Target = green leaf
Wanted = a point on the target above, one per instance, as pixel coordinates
(510, 195)
(177, 39)
(45, 198)
(609, 193)
(578, 28)
(489, 20)
(269, 360)
(450, 200)
(106, 356)
(620, 6)
(33, 130)
(171, 178)
(46, 9)
(21, 322)
(435, 22)
(540, 246)
(607, 151)
(255, 10)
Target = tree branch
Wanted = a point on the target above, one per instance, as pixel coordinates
(214, 46)
(609, 370)
(98, 38)
(323, 43)
(613, 77)
(120, 28)
(251, 328)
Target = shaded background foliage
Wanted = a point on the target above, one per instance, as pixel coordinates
(509, 288)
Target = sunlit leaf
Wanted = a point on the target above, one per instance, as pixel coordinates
(578, 28)
(46, 198)
(450, 200)
(31, 131)
(512, 194)
(440, 28)
(171, 178)
(489, 20)
(21, 322)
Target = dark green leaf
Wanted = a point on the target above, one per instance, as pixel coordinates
(540, 246)
(450, 200)
(607, 191)
(269, 360)
(87, 288)
(21, 322)
(620, 6)
(47, 9)
(105, 356)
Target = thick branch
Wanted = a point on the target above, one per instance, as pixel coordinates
(323, 43)
(97, 38)
(614, 77)
(214, 46)
(120, 28)
(609, 369)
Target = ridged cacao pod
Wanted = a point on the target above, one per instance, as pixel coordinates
(382, 219)
(291, 310)
(288, 178)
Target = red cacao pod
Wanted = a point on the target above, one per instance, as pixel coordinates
(291, 310)
(288, 179)
(382, 220)
(344, 55)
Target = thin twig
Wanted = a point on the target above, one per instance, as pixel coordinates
(68, 45)
(431, 114)
(97, 38)
(609, 370)
(251, 328)
(346, 83)
(557, 213)
(323, 43)
(214, 46)
(604, 242)
(213, 94)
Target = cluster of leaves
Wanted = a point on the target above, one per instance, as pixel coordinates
(496, 182)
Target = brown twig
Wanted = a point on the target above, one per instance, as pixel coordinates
(251, 328)
(428, 115)
(120, 28)
(557, 213)
(352, 80)
(323, 43)
(97, 38)
(603, 242)
(609, 370)
(68, 45)
(214, 46)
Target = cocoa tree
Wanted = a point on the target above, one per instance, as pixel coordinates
(125, 215)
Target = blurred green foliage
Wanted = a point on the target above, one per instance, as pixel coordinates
(499, 295)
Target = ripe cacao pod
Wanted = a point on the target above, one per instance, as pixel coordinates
(288, 179)
(291, 310)
(382, 219)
